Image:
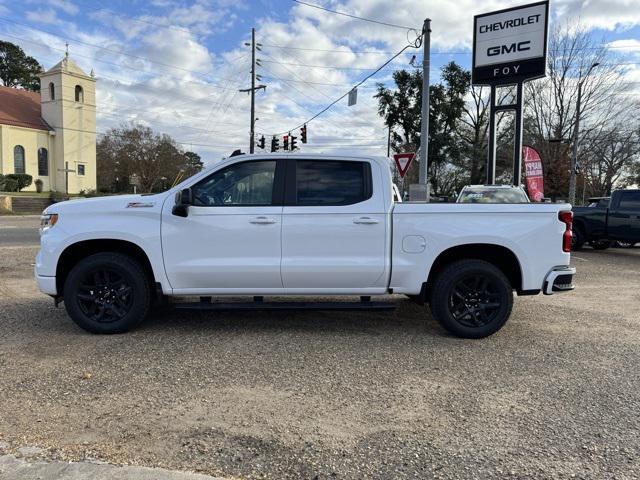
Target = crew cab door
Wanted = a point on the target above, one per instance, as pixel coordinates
(334, 226)
(624, 216)
(231, 238)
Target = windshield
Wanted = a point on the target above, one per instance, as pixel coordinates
(495, 195)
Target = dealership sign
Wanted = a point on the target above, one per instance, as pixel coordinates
(510, 45)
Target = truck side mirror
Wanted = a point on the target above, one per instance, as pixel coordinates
(184, 198)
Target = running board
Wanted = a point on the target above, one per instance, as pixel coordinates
(260, 305)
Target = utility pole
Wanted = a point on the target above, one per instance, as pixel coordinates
(424, 129)
(576, 132)
(252, 90)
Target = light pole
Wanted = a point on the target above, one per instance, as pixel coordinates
(576, 131)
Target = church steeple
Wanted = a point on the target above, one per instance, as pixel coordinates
(68, 104)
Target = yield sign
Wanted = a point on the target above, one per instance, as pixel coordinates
(403, 160)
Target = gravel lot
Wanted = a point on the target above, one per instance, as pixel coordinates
(308, 395)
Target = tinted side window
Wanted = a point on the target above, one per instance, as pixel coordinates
(630, 201)
(330, 182)
(246, 183)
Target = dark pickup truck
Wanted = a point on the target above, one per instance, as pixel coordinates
(606, 220)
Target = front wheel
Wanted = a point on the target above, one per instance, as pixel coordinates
(107, 293)
(471, 298)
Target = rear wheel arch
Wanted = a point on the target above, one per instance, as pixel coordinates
(76, 252)
(501, 257)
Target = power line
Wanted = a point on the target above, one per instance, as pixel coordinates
(39, 127)
(354, 87)
(354, 16)
(316, 66)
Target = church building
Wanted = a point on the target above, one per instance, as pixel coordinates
(51, 135)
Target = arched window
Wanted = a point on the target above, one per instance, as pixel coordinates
(52, 91)
(18, 159)
(43, 162)
(79, 94)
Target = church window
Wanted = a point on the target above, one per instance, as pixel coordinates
(52, 91)
(43, 162)
(79, 94)
(81, 169)
(18, 159)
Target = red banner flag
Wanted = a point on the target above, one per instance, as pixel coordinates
(533, 173)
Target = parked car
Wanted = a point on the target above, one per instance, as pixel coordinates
(492, 194)
(606, 220)
(263, 225)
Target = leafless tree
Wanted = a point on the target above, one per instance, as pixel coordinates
(550, 103)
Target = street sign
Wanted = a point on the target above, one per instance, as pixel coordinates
(533, 173)
(134, 180)
(403, 161)
(510, 45)
(353, 97)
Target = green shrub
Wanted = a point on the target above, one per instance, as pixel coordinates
(22, 180)
(9, 184)
(58, 196)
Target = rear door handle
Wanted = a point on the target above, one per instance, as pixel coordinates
(262, 220)
(365, 220)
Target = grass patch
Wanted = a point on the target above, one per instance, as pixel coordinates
(4, 211)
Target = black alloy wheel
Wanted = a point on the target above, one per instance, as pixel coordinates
(475, 300)
(471, 298)
(105, 296)
(107, 293)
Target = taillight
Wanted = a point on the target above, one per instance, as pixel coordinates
(566, 218)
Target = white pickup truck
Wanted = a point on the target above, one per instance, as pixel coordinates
(299, 225)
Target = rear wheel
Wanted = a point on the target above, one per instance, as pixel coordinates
(471, 299)
(107, 293)
(577, 239)
(601, 244)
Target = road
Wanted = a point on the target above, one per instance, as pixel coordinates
(304, 395)
(19, 230)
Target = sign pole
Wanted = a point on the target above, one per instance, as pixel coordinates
(491, 161)
(517, 143)
(424, 128)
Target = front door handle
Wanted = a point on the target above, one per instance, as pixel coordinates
(262, 220)
(365, 220)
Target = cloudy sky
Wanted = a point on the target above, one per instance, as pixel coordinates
(177, 65)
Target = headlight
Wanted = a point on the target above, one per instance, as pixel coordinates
(48, 221)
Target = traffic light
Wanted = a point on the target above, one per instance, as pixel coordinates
(303, 133)
(285, 142)
(293, 142)
(275, 144)
(261, 142)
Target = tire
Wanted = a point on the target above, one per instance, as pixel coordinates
(577, 239)
(107, 293)
(601, 244)
(621, 244)
(460, 290)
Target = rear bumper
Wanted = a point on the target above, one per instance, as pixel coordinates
(560, 279)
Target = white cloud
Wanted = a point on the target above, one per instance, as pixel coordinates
(47, 16)
(186, 87)
(65, 5)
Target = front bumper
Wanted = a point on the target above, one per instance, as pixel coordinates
(46, 284)
(560, 279)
